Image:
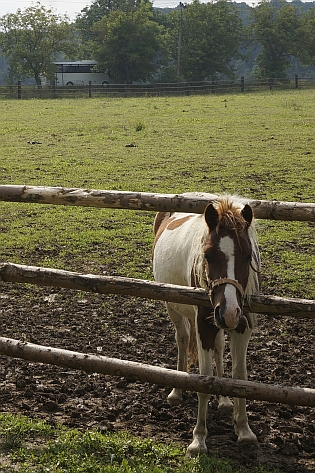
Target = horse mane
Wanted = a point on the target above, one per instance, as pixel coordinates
(230, 217)
(229, 208)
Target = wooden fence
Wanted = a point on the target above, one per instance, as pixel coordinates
(241, 85)
(264, 209)
(274, 306)
(157, 375)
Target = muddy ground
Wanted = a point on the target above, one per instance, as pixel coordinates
(281, 352)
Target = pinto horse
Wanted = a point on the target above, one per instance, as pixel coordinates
(217, 251)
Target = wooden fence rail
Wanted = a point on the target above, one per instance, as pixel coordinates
(241, 84)
(156, 375)
(265, 209)
(268, 305)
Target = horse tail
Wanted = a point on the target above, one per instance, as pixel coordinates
(192, 349)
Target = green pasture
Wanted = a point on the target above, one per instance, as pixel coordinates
(259, 145)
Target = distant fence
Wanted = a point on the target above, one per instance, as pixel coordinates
(153, 90)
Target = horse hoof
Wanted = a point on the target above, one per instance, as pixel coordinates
(174, 401)
(195, 449)
(249, 439)
(225, 407)
(175, 398)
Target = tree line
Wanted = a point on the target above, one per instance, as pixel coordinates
(135, 42)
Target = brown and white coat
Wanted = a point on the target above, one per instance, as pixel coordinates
(219, 252)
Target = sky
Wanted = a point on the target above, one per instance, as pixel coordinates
(73, 7)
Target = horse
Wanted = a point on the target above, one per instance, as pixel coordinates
(217, 251)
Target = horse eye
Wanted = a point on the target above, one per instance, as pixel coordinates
(249, 258)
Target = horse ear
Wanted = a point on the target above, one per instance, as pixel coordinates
(211, 217)
(247, 214)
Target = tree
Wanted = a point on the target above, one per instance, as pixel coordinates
(30, 40)
(276, 28)
(99, 8)
(210, 39)
(307, 38)
(127, 44)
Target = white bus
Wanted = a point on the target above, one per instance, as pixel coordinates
(79, 73)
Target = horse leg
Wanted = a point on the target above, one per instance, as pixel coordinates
(239, 344)
(182, 327)
(204, 333)
(225, 405)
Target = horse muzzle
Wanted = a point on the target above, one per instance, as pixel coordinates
(227, 315)
(227, 319)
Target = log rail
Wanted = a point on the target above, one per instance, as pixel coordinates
(264, 209)
(268, 305)
(156, 375)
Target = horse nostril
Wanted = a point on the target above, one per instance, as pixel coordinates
(217, 313)
(219, 319)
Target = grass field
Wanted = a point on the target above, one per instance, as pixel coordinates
(257, 145)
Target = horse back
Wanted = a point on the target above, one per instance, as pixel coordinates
(171, 226)
(176, 245)
(158, 221)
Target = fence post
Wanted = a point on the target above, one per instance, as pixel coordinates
(296, 82)
(54, 89)
(242, 84)
(213, 86)
(270, 83)
(90, 89)
(19, 90)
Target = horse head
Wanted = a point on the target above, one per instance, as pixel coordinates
(228, 254)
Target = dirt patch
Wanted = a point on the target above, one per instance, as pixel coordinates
(281, 352)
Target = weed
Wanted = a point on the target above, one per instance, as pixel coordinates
(140, 126)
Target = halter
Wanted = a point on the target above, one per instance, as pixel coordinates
(219, 282)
